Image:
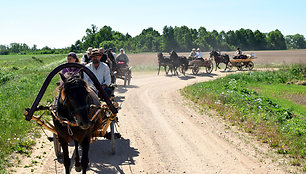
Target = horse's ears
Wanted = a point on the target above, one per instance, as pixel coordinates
(64, 79)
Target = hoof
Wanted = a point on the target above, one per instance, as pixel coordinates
(78, 168)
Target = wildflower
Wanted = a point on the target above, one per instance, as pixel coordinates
(217, 102)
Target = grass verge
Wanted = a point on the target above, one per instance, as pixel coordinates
(261, 103)
(21, 77)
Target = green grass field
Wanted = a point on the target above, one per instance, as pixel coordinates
(21, 77)
(261, 103)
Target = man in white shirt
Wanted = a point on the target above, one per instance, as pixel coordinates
(100, 70)
(199, 55)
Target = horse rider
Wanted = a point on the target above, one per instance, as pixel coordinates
(86, 57)
(192, 54)
(122, 57)
(199, 55)
(101, 71)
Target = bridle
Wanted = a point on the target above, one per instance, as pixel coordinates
(72, 112)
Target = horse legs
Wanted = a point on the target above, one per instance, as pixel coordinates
(65, 154)
(85, 149)
(217, 66)
(77, 164)
(158, 69)
(166, 71)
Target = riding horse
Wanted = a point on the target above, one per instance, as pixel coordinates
(220, 58)
(76, 104)
(164, 61)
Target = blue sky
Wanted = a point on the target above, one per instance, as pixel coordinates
(59, 23)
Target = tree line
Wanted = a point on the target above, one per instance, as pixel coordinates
(22, 48)
(181, 39)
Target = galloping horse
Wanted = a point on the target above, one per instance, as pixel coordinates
(77, 104)
(224, 58)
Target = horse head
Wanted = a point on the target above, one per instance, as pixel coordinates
(74, 101)
(173, 55)
(160, 56)
(214, 54)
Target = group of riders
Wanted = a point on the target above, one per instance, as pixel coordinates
(197, 55)
(102, 63)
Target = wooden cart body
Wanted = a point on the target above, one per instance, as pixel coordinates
(196, 64)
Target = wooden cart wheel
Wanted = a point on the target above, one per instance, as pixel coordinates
(112, 137)
(250, 65)
(126, 76)
(239, 66)
(195, 70)
(209, 67)
(130, 77)
(230, 66)
(57, 146)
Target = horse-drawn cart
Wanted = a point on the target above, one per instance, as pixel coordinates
(124, 72)
(78, 114)
(103, 115)
(246, 63)
(196, 64)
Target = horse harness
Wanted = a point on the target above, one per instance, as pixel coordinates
(65, 122)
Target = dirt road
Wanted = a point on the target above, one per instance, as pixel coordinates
(162, 133)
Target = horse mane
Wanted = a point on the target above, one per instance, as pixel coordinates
(173, 55)
(72, 80)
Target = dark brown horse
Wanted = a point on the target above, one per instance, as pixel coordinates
(220, 58)
(77, 104)
(165, 62)
(178, 62)
(74, 118)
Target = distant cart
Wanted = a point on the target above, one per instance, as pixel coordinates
(124, 72)
(241, 64)
(196, 64)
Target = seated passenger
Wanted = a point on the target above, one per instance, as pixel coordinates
(101, 71)
(86, 57)
(71, 58)
(238, 54)
(122, 57)
(199, 55)
(192, 54)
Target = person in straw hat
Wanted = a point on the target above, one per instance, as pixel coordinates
(192, 54)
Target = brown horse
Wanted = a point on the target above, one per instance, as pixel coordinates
(76, 104)
(220, 58)
(165, 62)
(178, 62)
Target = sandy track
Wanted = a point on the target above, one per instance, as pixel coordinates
(163, 134)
